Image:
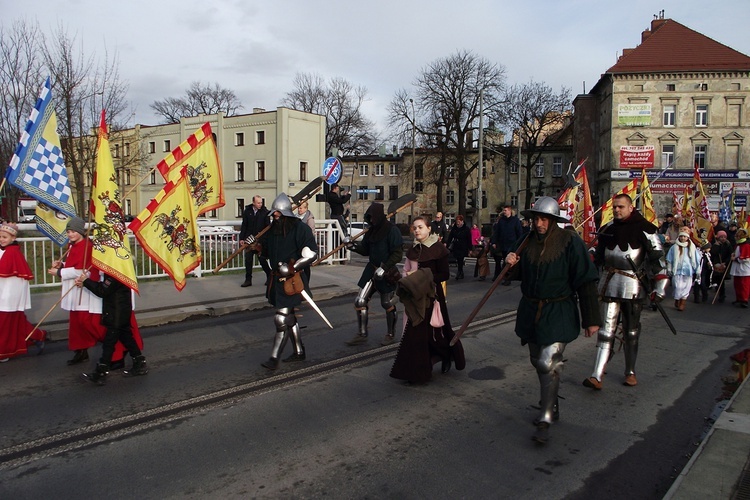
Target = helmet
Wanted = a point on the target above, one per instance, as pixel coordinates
(545, 206)
(283, 205)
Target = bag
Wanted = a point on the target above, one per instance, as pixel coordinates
(436, 321)
(293, 284)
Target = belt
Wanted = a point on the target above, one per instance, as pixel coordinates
(541, 302)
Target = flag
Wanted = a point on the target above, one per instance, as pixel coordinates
(38, 167)
(579, 209)
(687, 204)
(630, 190)
(725, 211)
(111, 246)
(167, 229)
(647, 200)
(198, 154)
(676, 207)
(700, 204)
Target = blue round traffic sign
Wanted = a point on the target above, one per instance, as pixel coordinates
(332, 170)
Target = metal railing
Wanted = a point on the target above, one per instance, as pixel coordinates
(216, 246)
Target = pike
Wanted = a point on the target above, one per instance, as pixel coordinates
(646, 287)
(487, 295)
(305, 194)
(395, 207)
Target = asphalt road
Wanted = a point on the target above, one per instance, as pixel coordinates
(209, 422)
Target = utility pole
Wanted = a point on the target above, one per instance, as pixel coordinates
(413, 152)
(480, 198)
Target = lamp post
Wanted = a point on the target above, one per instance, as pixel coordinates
(413, 151)
(481, 160)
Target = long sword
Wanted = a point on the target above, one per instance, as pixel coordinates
(309, 300)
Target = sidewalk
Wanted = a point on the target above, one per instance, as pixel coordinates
(159, 301)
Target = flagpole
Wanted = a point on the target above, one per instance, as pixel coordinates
(54, 306)
(138, 183)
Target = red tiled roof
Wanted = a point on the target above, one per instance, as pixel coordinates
(674, 47)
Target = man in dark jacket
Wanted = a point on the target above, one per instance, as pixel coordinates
(439, 227)
(117, 309)
(336, 200)
(557, 279)
(384, 246)
(254, 219)
(459, 243)
(505, 233)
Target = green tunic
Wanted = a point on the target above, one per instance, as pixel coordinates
(556, 275)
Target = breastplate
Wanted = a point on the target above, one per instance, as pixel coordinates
(619, 281)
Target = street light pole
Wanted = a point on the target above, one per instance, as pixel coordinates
(413, 151)
(479, 196)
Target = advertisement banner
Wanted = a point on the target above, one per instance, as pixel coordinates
(637, 156)
(633, 115)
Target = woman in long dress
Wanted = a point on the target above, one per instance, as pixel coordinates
(683, 263)
(422, 344)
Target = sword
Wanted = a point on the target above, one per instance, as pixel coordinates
(647, 288)
(309, 300)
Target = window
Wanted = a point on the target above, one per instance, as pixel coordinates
(240, 171)
(450, 172)
(212, 214)
(152, 177)
(379, 195)
(393, 169)
(379, 170)
(699, 155)
(484, 198)
(152, 147)
(701, 115)
(239, 139)
(392, 192)
(116, 154)
(126, 176)
(261, 169)
(484, 170)
(126, 149)
(128, 207)
(669, 115)
(260, 137)
(667, 155)
(539, 168)
(364, 170)
(450, 197)
(671, 87)
(303, 170)
(557, 165)
(239, 207)
(418, 187)
(514, 200)
(362, 193)
(513, 167)
(167, 146)
(704, 86)
(418, 172)
(734, 114)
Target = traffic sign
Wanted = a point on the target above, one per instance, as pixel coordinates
(367, 191)
(332, 170)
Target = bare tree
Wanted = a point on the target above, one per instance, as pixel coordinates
(535, 113)
(341, 103)
(20, 82)
(443, 111)
(199, 98)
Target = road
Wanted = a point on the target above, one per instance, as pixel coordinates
(208, 421)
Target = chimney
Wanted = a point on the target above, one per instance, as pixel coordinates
(657, 23)
(259, 110)
(644, 35)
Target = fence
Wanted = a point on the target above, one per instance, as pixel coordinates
(218, 240)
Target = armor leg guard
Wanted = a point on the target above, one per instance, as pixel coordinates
(283, 319)
(299, 347)
(548, 361)
(391, 318)
(361, 306)
(362, 315)
(388, 301)
(631, 350)
(605, 338)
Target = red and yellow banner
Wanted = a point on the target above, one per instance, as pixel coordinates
(647, 200)
(630, 190)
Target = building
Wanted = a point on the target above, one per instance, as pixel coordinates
(679, 98)
(261, 153)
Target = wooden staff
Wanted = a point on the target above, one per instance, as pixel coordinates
(54, 306)
(721, 283)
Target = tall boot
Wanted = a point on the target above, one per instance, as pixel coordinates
(139, 367)
(98, 376)
(279, 342)
(391, 318)
(299, 347)
(80, 356)
(361, 337)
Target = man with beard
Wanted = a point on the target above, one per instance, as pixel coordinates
(383, 244)
(557, 278)
(629, 237)
(290, 247)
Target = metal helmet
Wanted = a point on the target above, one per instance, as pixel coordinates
(283, 205)
(545, 206)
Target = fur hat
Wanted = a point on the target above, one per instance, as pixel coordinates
(9, 228)
(686, 231)
(76, 224)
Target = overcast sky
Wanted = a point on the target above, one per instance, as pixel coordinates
(256, 48)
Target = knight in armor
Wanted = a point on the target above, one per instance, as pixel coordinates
(557, 279)
(629, 237)
(290, 248)
(383, 244)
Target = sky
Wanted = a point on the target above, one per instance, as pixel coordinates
(256, 48)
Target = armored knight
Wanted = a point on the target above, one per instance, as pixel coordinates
(290, 247)
(630, 254)
(383, 244)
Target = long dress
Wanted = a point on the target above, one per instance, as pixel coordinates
(15, 298)
(423, 345)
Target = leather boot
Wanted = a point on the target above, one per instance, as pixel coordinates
(139, 367)
(98, 376)
(681, 305)
(80, 356)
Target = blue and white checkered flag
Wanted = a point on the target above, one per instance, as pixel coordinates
(38, 166)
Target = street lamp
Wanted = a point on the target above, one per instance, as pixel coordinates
(413, 150)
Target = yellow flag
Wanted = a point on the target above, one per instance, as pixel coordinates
(607, 214)
(198, 154)
(167, 229)
(109, 238)
(647, 200)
